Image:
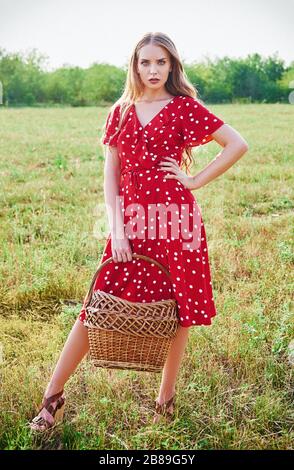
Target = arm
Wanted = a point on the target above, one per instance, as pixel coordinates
(120, 245)
(111, 192)
(234, 146)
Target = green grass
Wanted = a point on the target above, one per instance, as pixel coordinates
(235, 387)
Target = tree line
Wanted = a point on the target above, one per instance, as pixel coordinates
(254, 79)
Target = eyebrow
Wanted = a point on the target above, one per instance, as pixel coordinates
(157, 59)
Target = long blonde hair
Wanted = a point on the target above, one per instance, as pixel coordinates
(176, 84)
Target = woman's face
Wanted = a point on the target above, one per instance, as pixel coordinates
(153, 62)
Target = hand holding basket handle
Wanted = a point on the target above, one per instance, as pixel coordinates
(121, 249)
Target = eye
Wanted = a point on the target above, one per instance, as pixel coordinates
(144, 62)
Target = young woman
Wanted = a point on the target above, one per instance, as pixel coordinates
(149, 132)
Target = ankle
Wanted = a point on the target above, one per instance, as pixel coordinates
(165, 395)
(52, 389)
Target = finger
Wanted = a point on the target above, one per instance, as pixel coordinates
(168, 169)
(169, 165)
(128, 256)
(170, 176)
(171, 160)
(162, 164)
(119, 258)
(124, 256)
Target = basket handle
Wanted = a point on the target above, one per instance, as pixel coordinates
(134, 255)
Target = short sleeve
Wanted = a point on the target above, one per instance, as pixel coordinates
(111, 127)
(198, 123)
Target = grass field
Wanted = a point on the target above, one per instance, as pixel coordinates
(235, 389)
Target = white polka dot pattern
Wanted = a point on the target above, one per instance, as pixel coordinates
(175, 238)
(198, 123)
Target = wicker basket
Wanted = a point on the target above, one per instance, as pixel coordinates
(129, 335)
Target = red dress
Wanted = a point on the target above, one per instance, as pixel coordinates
(174, 233)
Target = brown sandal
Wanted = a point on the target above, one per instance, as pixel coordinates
(54, 413)
(163, 409)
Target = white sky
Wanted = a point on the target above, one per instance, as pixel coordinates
(80, 32)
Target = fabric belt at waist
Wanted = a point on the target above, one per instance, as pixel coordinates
(134, 174)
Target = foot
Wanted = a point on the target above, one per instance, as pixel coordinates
(50, 412)
(164, 407)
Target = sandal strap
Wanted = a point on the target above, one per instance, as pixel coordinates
(47, 401)
(52, 410)
(163, 407)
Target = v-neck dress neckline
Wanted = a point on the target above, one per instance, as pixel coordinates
(154, 117)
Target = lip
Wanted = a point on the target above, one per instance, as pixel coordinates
(154, 80)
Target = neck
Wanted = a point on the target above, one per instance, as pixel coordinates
(151, 95)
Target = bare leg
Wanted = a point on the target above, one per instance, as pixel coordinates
(172, 365)
(75, 348)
